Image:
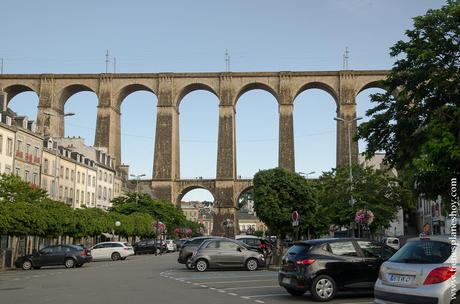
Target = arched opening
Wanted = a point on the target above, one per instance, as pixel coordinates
(83, 124)
(138, 126)
(363, 104)
(24, 103)
(314, 132)
(197, 204)
(199, 119)
(257, 125)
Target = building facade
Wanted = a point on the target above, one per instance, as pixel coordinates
(7, 140)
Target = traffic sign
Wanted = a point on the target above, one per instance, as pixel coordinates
(295, 216)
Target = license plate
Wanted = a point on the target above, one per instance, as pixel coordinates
(286, 280)
(402, 279)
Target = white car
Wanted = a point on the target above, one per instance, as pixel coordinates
(111, 250)
(422, 271)
(170, 245)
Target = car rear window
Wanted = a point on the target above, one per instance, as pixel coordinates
(423, 252)
(299, 250)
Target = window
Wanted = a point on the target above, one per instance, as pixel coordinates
(37, 152)
(99, 192)
(66, 173)
(83, 178)
(60, 192)
(94, 181)
(228, 246)
(374, 250)
(105, 176)
(72, 175)
(45, 166)
(9, 147)
(45, 184)
(110, 194)
(78, 196)
(343, 248)
(26, 175)
(423, 252)
(105, 193)
(53, 189)
(88, 198)
(78, 177)
(18, 145)
(93, 199)
(100, 175)
(61, 173)
(66, 192)
(89, 180)
(35, 178)
(110, 178)
(213, 245)
(1, 143)
(28, 150)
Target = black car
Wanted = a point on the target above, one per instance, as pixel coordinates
(149, 246)
(187, 249)
(68, 255)
(325, 266)
(256, 243)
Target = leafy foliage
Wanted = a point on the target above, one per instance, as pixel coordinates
(277, 193)
(373, 189)
(417, 122)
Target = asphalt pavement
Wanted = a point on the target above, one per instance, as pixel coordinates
(149, 279)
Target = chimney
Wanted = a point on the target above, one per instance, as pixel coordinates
(3, 102)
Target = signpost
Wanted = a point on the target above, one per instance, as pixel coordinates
(295, 218)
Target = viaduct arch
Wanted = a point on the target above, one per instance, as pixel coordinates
(54, 90)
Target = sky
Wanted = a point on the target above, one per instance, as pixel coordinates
(193, 36)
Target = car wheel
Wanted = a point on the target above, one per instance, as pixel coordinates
(123, 258)
(201, 265)
(115, 256)
(26, 265)
(323, 288)
(69, 263)
(188, 263)
(295, 292)
(252, 264)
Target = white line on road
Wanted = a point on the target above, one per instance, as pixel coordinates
(251, 287)
(232, 282)
(212, 288)
(246, 298)
(232, 294)
(259, 301)
(230, 277)
(204, 286)
(269, 295)
(16, 279)
(221, 290)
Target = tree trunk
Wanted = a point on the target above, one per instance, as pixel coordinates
(277, 257)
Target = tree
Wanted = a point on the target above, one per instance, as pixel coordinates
(417, 121)
(13, 189)
(277, 193)
(373, 189)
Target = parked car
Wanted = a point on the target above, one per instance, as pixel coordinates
(392, 242)
(325, 266)
(226, 253)
(111, 250)
(254, 242)
(149, 246)
(170, 245)
(68, 255)
(180, 242)
(187, 249)
(422, 271)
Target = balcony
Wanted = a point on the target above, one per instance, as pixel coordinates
(19, 154)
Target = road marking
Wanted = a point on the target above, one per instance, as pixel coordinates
(16, 279)
(230, 277)
(269, 295)
(251, 287)
(232, 282)
(221, 290)
(188, 282)
(246, 298)
(204, 286)
(232, 294)
(259, 301)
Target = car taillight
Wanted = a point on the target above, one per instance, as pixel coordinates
(439, 275)
(305, 262)
(83, 253)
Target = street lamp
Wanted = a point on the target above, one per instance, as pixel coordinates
(137, 184)
(307, 174)
(55, 187)
(117, 224)
(348, 123)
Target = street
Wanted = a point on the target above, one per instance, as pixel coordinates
(148, 279)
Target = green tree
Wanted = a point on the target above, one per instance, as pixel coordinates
(375, 190)
(417, 122)
(13, 189)
(277, 193)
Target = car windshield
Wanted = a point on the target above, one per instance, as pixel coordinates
(423, 252)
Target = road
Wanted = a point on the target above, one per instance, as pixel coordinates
(148, 279)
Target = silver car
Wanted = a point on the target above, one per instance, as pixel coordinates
(422, 271)
(226, 253)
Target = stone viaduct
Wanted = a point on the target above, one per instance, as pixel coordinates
(54, 90)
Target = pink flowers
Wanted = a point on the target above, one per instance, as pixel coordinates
(364, 217)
